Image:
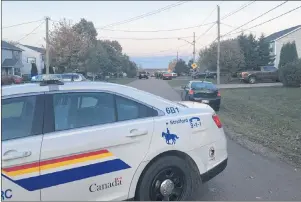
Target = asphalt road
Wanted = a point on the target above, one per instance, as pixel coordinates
(248, 176)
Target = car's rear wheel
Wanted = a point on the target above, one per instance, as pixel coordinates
(168, 178)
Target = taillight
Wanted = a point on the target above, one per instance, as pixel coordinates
(218, 94)
(217, 121)
(190, 92)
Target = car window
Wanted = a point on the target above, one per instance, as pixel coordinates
(66, 76)
(128, 109)
(200, 85)
(76, 110)
(269, 68)
(17, 117)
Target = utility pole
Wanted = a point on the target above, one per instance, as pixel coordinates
(218, 45)
(177, 56)
(47, 45)
(194, 47)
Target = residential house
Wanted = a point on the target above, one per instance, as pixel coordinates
(11, 62)
(278, 39)
(32, 54)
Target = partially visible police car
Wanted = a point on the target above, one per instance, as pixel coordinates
(102, 141)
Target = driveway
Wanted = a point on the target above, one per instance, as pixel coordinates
(248, 176)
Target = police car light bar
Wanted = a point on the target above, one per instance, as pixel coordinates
(49, 79)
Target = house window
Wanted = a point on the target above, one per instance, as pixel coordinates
(43, 58)
(16, 55)
(31, 60)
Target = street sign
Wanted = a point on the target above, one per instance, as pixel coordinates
(194, 65)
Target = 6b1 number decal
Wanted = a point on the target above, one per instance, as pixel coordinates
(172, 110)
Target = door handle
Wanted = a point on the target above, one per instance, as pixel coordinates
(137, 132)
(13, 154)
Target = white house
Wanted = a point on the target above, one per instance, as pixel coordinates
(11, 62)
(31, 55)
(278, 39)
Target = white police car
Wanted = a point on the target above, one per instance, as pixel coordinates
(103, 141)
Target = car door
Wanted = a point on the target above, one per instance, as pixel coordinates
(98, 141)
(22, 121)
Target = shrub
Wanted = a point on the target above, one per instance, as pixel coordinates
(34, 69)
(290, 74)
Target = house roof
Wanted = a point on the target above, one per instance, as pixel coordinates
(9, 62)
(279, 34)
(8, 46)
(40, 50)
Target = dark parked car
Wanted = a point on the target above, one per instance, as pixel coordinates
(202, 91)
(11, 79)
(143, 75)
(264, 73)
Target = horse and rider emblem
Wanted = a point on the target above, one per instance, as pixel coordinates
(169, 138)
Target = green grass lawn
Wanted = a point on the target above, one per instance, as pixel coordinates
(269, 116)
(122, 81)
(180, 82)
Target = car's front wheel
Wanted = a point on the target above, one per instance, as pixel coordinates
(169, 178)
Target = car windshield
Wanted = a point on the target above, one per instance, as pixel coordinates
(202, 85)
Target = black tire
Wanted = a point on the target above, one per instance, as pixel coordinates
(252, 79)
(191, 178)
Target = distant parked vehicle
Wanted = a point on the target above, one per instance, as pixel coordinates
(205, 74)
(143, 75)
(174, 75)
(265, 72)
(167, 76)
(11, 79)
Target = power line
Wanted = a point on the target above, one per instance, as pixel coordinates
(158, 38)
(236, 11)
(266, 21)
(164, 30)
(30, 32)
(145, 15)
(235, 27)
(256, 18)
(24, 23)
(206, 31)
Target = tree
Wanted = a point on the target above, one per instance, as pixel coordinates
(248, 45)
(263, 48)
(86, 29)
(290, 74)
(51, 71)
(181, 67)
(190, 62)
(172, 65)
(288, 53)
(289, 66)
(67, 47)
(34, 69)
(231, 56)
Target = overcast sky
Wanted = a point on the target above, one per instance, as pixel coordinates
(188, 14)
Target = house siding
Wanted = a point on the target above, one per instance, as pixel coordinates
(29, 53)
(6, 54)
(294, 36)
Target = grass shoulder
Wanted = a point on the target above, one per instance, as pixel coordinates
(268, 116)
